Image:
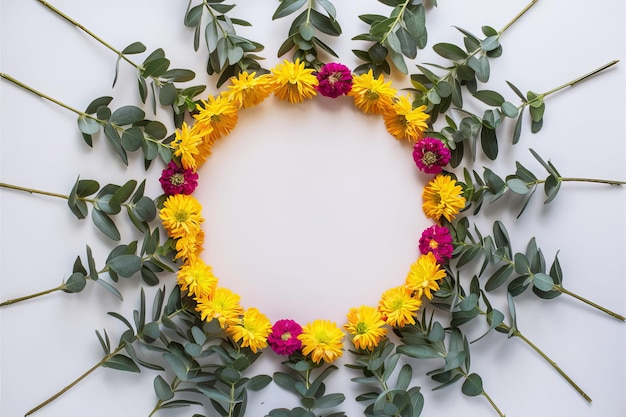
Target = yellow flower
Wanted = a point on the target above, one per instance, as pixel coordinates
(186, 145)
(188, 247)
(398, 307)
(293, 82)
(252, 330)
(372, 95)
(223, 305)
(405, 122)
(442, 197)
(181, 215)
(323, 340)
(247, 90)
(423, 276)
(219, 114)
(366, 325)
(197, 279)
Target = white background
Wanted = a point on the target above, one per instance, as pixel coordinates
(311, 209)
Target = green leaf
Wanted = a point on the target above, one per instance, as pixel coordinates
(499, 277)
(330, 400)
(134, 48)
(75, 283)
(162, 389)
(522, 266)
(551, 188)
(258, 382)
(127, 115)
(125, 265)
(543, 282)
(132, 139)
(97, 103)
(105, 224)
(509, 109)
(287, 7)
(517, 186)
(145, 209)
(491, 98)
(450, 51)
(473, 385)
(490, 43)
(122, 363)
(87, 125)
(489, 142)
(155, 67)
(167, 94)
(419, 351)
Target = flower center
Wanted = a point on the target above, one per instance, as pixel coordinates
(429, 158)
(371, 95)
(285, 336)
(361, 327)
(334, 77)
(182, 216)
(433, 244)
(177, 179)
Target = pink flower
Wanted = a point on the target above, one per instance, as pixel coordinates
(178, 180)
(430, 155)
(437, 239)
(334, 80)
(284, 337)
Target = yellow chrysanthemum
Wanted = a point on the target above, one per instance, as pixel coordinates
(188, 247)
(405, 122)
(252, 330)
(293, 82)
(186, 145)
(223, 305)
(372, 95)
(181, 215)
(323, 340)
(442, 197)
(248, 90)
(197, 279)
(218, 113)
(423, 276)
(366, 325)
(398, 306)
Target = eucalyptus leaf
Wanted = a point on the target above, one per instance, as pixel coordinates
(122, 363)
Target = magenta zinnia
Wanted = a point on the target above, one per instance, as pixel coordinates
(334, 80)
(178, 180)
(284, 337)
(438, 241)
(430, 155)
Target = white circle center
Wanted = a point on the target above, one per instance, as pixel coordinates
(310, 209)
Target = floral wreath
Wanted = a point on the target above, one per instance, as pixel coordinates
(202, 319)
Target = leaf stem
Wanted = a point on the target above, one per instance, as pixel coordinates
(28, 297)
(516, 18)
(493, 404)
(87, 31)
(33, 191)
(554, 365)
(581, 78)
(77, 380)
(42, 95)
(590, 303)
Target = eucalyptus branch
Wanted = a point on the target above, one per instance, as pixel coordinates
(563, 290)
(31, 296)
(87, 31)
(515, 332)
(47, 97)
(77, 380)
(538, 98)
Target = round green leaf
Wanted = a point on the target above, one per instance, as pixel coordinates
(162, 389)
(473, 385)
(125, 265)
(75, 283)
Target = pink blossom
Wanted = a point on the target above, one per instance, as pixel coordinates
(178, 180)
(430, 155)
(334, 80)
(284, 337)
(437, 239)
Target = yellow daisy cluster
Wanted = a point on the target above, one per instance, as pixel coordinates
(216, 117)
